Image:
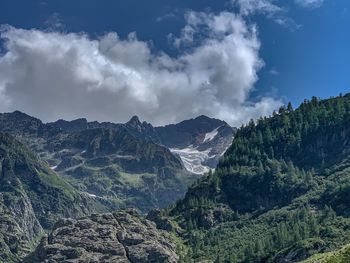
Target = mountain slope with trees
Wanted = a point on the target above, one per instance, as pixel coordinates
(279, 194)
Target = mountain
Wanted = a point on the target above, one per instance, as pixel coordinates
(71, 126)
(32, 197)
(199, 142)
(279, 194)
(123, 236)
(69, 169)
(18, 123)
(115, 164)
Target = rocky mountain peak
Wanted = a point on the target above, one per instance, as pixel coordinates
(200, 142)
(134, 121)
(18, 113)
(70, 126)
(19, 122)
(203, 118)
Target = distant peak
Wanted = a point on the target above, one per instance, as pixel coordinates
(203, 117)
(17, 112)
(20, 114)
(72, 121)
(80, 120)
(134, 121)
(206, 119)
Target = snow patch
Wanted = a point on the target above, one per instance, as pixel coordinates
(193, 159)
(91, 195)
(211, 135)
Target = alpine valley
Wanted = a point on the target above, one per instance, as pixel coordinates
(79, 191)
(70, 169)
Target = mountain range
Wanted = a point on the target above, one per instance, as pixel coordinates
(199, 142)
(279, 192)
(131, 164)
(76, 168)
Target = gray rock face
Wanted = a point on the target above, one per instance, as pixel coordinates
(119, 237)
(18, 227)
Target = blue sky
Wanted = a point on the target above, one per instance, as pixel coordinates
(314, 60)
(305, 48)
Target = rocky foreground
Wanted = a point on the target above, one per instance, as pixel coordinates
(119, 237)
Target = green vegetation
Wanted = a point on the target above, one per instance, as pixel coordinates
(281, 191)
(32, 197)
(339, 256)
(92, 170)
(112, 167)
(120, 170)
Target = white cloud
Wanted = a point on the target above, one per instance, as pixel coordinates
(269, 8)
(274, 71)
(57, 75)
(54, 22)
(310, 3)
(165, 17)
(248, 7)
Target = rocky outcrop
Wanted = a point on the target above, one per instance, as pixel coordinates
(32, 198)
(123, 236)
(18, 227)
(162, 222)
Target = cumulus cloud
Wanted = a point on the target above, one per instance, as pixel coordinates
(310, 3)
(68, 75)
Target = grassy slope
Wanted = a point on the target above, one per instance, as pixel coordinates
(119, 169)
(339, 256)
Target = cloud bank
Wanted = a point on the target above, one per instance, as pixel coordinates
(55, 75)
